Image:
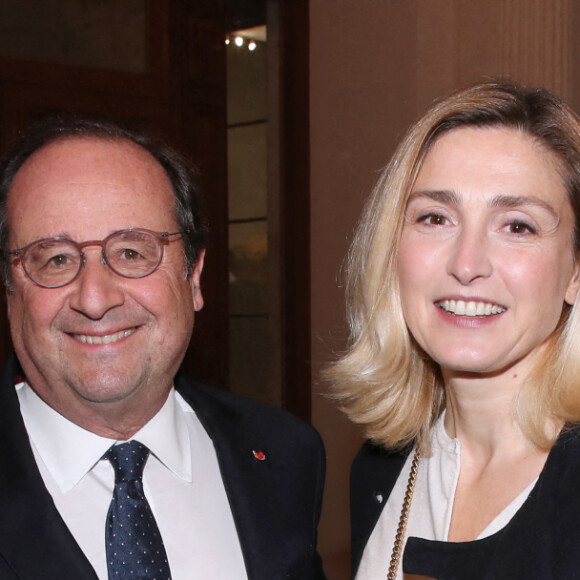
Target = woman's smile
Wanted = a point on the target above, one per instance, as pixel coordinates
(470, 308)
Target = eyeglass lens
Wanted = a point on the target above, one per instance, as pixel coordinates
(130, 253)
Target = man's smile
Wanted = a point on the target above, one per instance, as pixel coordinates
(107, 339)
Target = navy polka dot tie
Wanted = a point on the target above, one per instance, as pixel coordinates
(134, 545)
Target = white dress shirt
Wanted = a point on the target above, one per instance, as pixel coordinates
(431, 506)
(182, 483)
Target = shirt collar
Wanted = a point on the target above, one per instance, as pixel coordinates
(70, 452)
(167, 436)
(442, 441)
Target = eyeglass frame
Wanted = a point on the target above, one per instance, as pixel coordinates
(161, 237)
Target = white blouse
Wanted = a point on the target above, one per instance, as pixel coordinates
(431, 507)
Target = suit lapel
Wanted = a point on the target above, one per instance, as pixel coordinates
(246, 468)
(34, 540)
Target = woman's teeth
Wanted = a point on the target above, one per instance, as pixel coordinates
(471, 308)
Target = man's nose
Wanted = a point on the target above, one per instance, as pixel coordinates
(97, 289)
(470, 258)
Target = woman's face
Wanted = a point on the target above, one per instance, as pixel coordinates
(486, 258)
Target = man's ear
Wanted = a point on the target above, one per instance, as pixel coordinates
(574, 285)
(195, 282)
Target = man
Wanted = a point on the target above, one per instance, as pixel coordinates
(103, 254)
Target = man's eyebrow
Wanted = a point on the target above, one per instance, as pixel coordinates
(515, 201)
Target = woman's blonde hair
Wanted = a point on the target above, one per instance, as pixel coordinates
(385, 381)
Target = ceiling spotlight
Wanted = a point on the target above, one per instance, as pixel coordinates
(252, 45)
(227, 40)
(239, 41)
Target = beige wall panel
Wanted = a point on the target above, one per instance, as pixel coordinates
(363, 61)
(436, 68)
(461, 42)
(535, 42)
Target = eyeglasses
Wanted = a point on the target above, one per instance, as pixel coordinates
(56, 262)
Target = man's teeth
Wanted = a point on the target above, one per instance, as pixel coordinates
(89, 339)
(471, 308)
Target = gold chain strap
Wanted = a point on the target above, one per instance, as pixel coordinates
(400, 536)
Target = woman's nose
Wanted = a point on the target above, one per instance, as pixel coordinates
(470, 258)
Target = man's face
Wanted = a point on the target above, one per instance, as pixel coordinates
(85, 189)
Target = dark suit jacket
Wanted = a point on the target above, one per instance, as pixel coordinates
(275, 502)
(541, 541)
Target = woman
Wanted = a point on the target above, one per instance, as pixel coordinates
(464, 363)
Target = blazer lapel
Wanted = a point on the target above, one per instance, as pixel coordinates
(374, 473)
(34, 540)
(246, 468)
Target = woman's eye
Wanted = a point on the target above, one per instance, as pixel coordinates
(521, 228)
(432, 219)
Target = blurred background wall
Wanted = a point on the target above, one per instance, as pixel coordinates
(289, 109)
